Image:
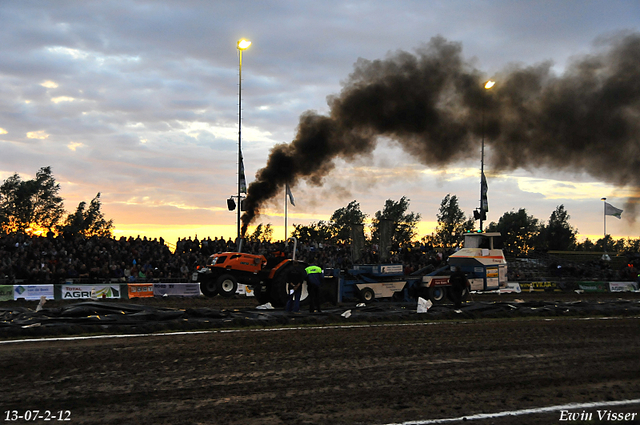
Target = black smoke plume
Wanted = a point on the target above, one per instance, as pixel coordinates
(434, 105)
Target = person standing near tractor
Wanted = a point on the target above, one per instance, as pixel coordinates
(459, 283)
(315, 277)
(294, 288)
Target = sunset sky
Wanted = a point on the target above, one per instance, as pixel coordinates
(138, 100)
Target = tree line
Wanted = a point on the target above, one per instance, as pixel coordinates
(339, 228)
(522, 234)
(36, 207)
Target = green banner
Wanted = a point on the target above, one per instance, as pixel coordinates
(6, 292)
(593, 286)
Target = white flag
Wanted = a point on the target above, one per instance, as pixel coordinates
(611, 210)
(290, 195)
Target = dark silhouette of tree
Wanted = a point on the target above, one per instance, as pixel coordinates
(452, 225)
(262, 234)
(87, 221)
(31, 205)
(559, 235)
(520, 232)
(343, 219)
(313, 232)
(404, 224)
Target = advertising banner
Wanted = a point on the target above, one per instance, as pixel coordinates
(179, 289)
(540, 287)
(140, 290)
(6, 292)
(511, 287)
(623, 286)
(33, 292)
(78, 292)
(593, 286)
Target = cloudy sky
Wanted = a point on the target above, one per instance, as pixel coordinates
(138, 100)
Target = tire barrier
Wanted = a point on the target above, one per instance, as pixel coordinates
(107, 316)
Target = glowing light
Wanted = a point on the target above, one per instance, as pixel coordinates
(49, 84)
(489, 84)
(3, 131)
(244, 44)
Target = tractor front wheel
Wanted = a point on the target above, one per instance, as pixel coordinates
(209, 287)
(227, 285)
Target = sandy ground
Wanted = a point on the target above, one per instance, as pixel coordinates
(325, 371)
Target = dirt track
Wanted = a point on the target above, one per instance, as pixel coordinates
(360, 374)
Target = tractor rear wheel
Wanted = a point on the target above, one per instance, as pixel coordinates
(227, 285)
(261, 294)
(279, 290)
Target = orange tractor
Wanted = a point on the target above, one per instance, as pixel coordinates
(267, 278)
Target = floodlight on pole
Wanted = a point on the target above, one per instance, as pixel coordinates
(242, 45)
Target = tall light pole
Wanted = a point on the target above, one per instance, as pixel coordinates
(242, 45)
(483, 183)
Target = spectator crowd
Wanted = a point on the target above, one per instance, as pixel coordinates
(55, 259)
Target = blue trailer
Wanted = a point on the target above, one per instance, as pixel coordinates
(367, 282)
(481, 259)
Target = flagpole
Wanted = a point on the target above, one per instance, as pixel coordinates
(286, 209)
(604, 204)
(481, 166)
(239, 139)
(483, 208)
(604, 241)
